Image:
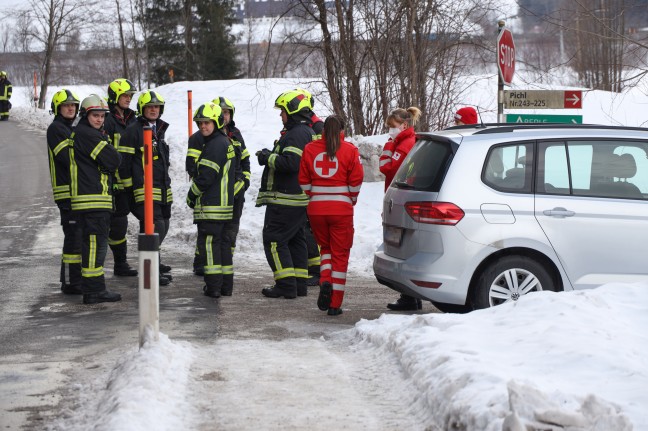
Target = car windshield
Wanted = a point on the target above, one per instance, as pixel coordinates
(424, 167)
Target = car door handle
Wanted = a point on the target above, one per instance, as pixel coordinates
(559, 212)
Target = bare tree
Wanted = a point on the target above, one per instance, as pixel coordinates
(125, 68)
(380, 54)
(52, 21)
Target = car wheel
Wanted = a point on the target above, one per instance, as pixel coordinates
(510, 278)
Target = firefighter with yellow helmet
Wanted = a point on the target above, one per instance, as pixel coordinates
(150, 107)
(120, 94)
(285, 217)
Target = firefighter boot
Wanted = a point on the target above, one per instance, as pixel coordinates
(213, 292)
(228, 285)
(103, 296)
(324, 299)
(406, 303)
(280, 292)
(123, 269)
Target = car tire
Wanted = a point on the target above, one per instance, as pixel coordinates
(508, 279)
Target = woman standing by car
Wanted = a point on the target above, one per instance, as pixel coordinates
(402, 137)
(331, 175)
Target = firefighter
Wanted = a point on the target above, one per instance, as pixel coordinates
(93, 162)
(285, 215)
(120, 93)
(311, 243)
(65, 106)
(242, 179)
(150, 107)
(331, 175)
(211, 196)
(5, 94)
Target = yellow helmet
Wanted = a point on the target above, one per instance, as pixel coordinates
(149, 98)
(64, 96)
(210, 112)
(292, 101)
(224, 103)
(309, 96)
(118, 87)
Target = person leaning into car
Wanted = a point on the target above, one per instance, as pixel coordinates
(402, 137)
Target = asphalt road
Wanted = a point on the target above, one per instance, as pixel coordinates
(45, 336)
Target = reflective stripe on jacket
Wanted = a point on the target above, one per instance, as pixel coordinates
(93, 161)
(331, 185)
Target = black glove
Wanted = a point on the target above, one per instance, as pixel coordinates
(191, 199)
(263, 156)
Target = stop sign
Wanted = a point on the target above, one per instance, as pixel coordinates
(506, 56)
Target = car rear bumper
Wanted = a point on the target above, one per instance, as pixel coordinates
(398, 275)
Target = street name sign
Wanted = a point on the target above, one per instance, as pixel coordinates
(531, 119)
(506, 56)
(543, 99)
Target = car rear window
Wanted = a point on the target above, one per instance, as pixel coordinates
(425, 166)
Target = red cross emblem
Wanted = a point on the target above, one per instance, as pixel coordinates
(324, 167)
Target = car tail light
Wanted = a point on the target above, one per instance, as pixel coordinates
(444, 213)
(430, 284)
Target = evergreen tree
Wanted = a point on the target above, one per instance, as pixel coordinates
(165, 41)
(216, 53)
(193, 38)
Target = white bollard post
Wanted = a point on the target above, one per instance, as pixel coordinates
(149, 286)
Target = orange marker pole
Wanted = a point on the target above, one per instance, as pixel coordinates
(189, 114)
(35, 90)
(148, 181)
(149, 255)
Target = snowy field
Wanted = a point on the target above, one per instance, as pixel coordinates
(573, 361)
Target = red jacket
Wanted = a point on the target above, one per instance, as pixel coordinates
(332, 186)
(394, 153)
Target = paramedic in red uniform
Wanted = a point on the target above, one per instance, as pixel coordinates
(402, 138)
(331, 175)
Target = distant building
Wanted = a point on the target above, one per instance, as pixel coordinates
(266, 8)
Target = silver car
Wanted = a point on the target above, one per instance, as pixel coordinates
(481, 215)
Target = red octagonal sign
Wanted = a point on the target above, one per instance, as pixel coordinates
(506, 56)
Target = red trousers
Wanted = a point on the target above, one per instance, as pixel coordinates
(334, 234)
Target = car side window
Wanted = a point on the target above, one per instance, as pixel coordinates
(509, 168)
(611, 169)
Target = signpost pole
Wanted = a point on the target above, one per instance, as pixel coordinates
(500, 82)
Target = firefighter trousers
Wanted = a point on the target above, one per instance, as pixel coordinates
(334, 234)
(119, 228)
(214, 245)
(231, 231)
(313, 251)
(284, 243)
(94, 232)
(71, 256)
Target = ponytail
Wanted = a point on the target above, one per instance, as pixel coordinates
(398, 116)
(333, 125)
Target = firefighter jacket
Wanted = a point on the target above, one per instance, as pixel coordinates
(394, 153)
(58, 143)
(5, 89)
(211, 194)
(93, 162)
(279, 182)
(114, 126)
(131, 171)
(317, 125)
(243, 173)
(332, 186)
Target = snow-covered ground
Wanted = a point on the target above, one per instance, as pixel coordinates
(575, 360)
